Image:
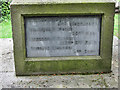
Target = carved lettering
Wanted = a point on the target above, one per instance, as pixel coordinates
(62, 36)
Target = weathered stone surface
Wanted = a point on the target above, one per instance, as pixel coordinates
(62, 36)
(7, 55)
(62, 64)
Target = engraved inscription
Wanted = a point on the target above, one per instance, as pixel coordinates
(62, 36)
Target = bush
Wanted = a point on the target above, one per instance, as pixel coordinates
(5, 11)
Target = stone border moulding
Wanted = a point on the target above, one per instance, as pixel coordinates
(62, 65)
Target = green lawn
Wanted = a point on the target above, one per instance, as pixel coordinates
(116, 25)
(6, 30)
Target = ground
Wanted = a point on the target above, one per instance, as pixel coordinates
(8, 78)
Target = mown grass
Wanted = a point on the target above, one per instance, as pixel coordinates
(116, 25)
(6, 28)
(119, 26)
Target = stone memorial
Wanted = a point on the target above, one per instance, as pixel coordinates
(59, 37)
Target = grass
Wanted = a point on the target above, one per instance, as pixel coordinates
(116, 25)
(6, 28)
(119, 26)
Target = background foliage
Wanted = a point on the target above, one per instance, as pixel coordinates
(5, 20)
(5, 11)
